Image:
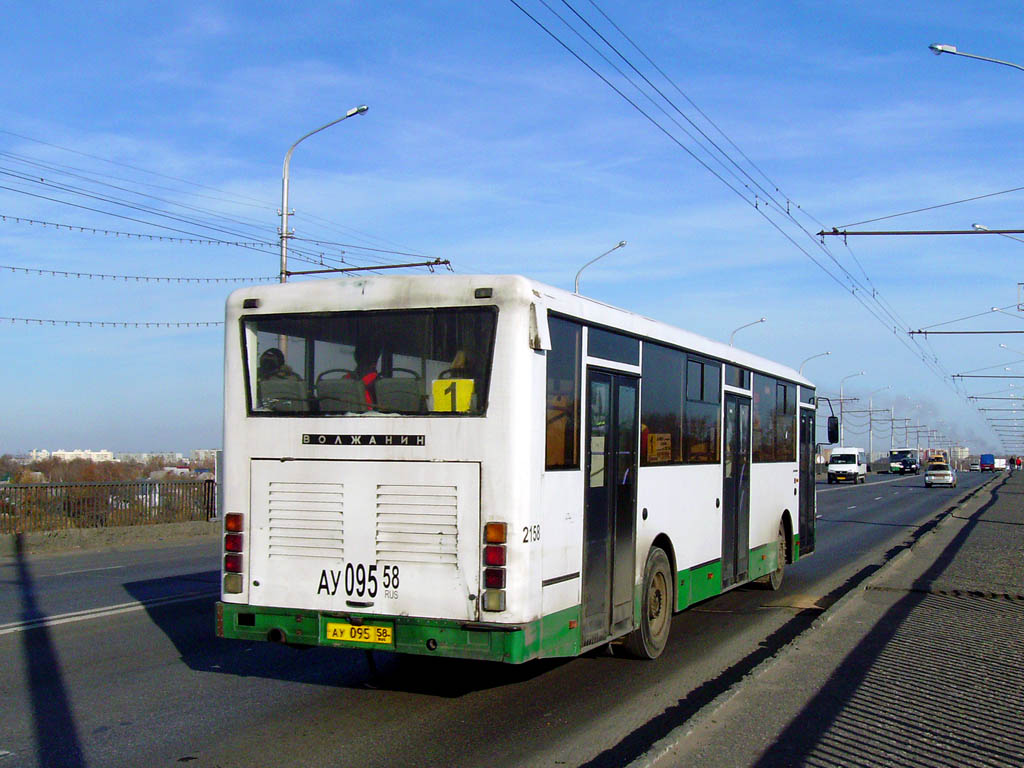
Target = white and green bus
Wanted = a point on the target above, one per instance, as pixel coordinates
(486, 467)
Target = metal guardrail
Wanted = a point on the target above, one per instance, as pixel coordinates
(59, 506)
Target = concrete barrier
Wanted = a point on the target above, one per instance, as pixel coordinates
(111, 537)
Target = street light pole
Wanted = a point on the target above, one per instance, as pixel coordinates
(733, 334)
(284, 186)
(820, 354)
(861, 373)
(576, 285)
(939, 48)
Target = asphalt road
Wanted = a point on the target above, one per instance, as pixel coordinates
(111, 659)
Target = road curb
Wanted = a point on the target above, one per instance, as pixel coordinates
(669, 742)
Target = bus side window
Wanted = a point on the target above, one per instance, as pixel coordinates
(562, 395)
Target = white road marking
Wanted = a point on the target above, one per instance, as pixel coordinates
(90, 570)
(877, 482)
(98, 613)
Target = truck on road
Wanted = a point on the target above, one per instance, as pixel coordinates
(988, 462)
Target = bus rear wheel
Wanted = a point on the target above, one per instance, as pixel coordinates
(648, 640)
(774, 579)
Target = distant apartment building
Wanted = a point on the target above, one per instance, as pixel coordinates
(78, 453)
(166, 457)
(202, 455)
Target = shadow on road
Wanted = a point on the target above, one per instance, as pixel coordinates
(57, 741)
(190, 626)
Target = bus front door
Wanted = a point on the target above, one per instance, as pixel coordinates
(609, 516)
(736, 490)
(807, 506)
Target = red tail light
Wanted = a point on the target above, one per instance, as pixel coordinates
(494, 578)
(494, 554)
(233, 563)
(233, 542)
(233, 521)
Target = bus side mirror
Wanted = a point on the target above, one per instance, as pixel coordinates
(833, 429)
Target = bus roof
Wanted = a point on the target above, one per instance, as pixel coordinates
(391, 291)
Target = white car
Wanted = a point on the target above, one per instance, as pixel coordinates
(940, 474)
(975, 466)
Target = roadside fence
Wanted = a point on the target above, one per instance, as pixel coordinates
(58, 506)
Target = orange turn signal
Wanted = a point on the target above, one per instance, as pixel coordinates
(495, 533)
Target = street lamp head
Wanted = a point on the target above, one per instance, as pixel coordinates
(576, 286)
(357, 110)
(732, 336)
(938, 48)
(980, 227)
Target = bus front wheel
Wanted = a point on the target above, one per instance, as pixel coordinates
(648, 640)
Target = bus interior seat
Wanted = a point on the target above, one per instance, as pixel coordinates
(283, 395)
(399, 394)
(342, 395)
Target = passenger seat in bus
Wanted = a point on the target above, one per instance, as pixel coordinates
(402, 394)
(283, 395)
(341, 394)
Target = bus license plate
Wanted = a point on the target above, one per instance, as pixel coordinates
(364, 633)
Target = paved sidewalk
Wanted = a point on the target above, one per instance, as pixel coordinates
(924, 666)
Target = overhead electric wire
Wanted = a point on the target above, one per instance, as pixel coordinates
(113, 323)
(364, 247)
(768, 195)
(105, 213)
(142, 208)
(62, 167)
(120, 188)
(863, 294)
(753, 203)
(228, 198)
(626, 98)
(961, 319)
(68, 189)
(117, 233)
(128, 278)
(132, 167)
(930, 208)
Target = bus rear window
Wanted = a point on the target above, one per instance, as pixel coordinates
(410, 362)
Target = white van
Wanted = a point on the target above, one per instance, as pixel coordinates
(847, 464)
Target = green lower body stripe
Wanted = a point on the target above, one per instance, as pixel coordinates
(554, 635)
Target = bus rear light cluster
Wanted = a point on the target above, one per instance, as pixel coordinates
(233, 545)
(495, 537)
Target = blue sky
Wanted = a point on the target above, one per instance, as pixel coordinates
(488, 144)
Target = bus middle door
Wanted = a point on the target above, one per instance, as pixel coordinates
(609, 518)
(736, 490)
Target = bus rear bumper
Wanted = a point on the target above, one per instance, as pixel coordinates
(556, 635)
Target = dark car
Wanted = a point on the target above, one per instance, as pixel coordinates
(908, 467)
